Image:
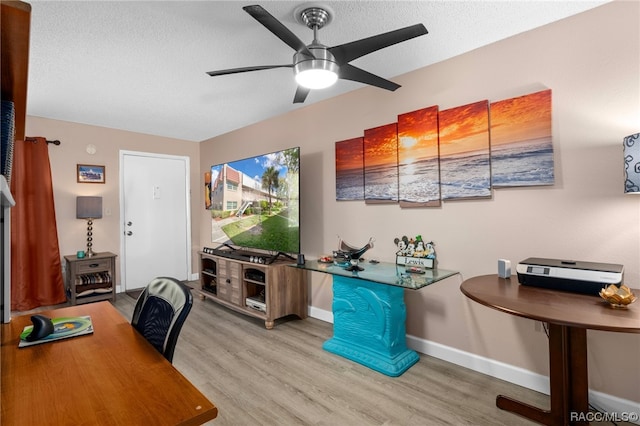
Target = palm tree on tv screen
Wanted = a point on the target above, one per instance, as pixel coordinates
(270, 182)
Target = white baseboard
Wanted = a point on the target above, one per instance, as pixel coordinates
(321, 314)
(512, 374)
(488, 366)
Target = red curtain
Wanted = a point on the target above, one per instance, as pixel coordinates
(36, 272)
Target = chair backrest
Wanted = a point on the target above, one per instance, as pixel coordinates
(160, 312)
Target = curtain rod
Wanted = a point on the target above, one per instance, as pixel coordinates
(55, 142)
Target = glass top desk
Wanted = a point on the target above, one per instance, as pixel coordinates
(369, 313)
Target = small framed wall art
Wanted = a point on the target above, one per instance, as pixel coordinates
(90, 173)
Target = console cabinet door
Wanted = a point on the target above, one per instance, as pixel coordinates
(229, 285)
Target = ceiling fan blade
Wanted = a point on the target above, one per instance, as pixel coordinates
(349, 72)
(277, 28)
(247, 69)
(301, 95)
(355, 49)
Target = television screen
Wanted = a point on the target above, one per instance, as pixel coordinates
(255, 202)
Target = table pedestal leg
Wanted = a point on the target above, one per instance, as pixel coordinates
(569, 383)
(369, 325)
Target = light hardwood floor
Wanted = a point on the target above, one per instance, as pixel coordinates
(284, 377)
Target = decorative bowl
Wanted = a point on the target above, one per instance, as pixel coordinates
(618, 297)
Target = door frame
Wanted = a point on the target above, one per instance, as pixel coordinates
(187, 183)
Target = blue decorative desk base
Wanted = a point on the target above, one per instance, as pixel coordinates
(369, 325)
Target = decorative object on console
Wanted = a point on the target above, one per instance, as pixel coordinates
(352, 254)
(631, 146)
(415, 252)
(89, 208)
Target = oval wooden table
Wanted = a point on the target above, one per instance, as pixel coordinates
(569, 315)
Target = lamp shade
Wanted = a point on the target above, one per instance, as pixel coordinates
(88, 207)
(631, 146)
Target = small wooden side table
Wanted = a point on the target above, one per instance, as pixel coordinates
(91, 279)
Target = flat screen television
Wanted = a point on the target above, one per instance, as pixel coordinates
(255, 202)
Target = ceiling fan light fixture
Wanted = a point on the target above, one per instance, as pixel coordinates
(316, 78)
(318, 73)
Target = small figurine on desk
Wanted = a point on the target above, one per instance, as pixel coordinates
(415, 252)
(352, 254)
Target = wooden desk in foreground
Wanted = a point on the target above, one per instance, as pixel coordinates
(113, 376)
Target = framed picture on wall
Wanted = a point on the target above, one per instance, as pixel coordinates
(90, 173)
(349, 170)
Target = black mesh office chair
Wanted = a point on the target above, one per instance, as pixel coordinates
(160, 311)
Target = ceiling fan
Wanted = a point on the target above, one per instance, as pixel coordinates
(317, 66)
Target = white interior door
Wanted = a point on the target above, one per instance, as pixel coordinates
(155, 218)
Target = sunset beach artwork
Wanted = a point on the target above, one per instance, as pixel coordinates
(465, 170)
(381, 164)
(521, 143)
(418, 158)
(350, 170)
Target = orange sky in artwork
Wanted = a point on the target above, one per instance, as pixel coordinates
(381, 145)
(349, 154)
(522, 118)
(464, 129)
(418, 135)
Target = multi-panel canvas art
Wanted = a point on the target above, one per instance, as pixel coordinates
(418, 158)
(521, 144)
(455, 154)
(465, 171)
(350, 170)
(381, 164)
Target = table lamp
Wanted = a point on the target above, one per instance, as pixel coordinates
(631, 146)
(89, 208)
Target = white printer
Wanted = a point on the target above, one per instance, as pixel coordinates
(569, 275)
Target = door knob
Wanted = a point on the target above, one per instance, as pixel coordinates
(129, 233)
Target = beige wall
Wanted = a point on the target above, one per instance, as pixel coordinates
(74, 138)
(592, 65)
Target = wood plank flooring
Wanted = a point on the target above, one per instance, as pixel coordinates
(284, 377)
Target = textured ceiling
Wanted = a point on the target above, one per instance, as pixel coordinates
(141, 66)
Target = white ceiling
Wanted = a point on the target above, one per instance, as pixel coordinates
(141, 66)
